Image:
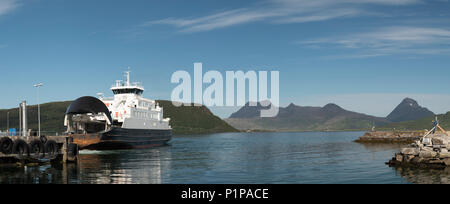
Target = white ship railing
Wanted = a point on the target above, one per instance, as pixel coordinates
(123, 85)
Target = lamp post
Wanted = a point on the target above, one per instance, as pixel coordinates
(7, 122)
(39, 108)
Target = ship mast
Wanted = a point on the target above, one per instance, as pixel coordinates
(128, 76)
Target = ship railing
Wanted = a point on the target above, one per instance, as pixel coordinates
(108, 98)
(32, 133)
(46, 133)
(136, 84)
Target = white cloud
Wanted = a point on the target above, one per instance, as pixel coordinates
(415, 35)
(339, 13)
(279, 11)
(391, 40)
(7, 6)
(219, 20)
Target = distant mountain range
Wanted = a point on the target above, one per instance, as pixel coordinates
(184, 120)
(328, 118)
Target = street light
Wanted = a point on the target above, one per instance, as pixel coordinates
(39, 107)
(7, 122)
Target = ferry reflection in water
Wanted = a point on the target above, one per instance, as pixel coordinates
(122, 167)
(95, 167)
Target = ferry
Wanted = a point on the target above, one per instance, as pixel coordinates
(126, 121)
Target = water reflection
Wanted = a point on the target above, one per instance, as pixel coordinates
(47, 174)
(235, 158)
(374, 147)
(101, 169)
(424, 176)
(411, 174)
(114, 167)
(123, 167)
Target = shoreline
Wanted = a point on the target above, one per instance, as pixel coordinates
(281, 131)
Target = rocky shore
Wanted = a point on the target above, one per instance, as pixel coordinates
(431, 151)
(391, 137)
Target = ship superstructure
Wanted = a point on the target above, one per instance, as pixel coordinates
(132, 111)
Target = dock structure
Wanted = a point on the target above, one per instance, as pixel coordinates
(26, 147)
(37, 150)
(431, 151)
(391, 137)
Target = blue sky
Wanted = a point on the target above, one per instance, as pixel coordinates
(365, 55)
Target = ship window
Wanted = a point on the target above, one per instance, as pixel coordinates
(128, 91)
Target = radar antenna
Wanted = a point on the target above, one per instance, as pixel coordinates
(127, 74)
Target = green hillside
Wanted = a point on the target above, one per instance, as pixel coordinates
(52, 117)
(425, 123)
(193, 120)
(184, 120)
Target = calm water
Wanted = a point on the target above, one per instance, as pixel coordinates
(236, 158)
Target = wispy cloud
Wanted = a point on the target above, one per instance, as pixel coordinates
(321, 16)
(278, 11)
(219, 20)
(391, 40)
(7, 6)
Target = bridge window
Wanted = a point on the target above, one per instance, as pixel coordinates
(128, 91)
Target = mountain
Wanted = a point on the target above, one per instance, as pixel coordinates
(409, 110)
(248, 112)
(421, 124)
(303, 118)
(184, 120)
